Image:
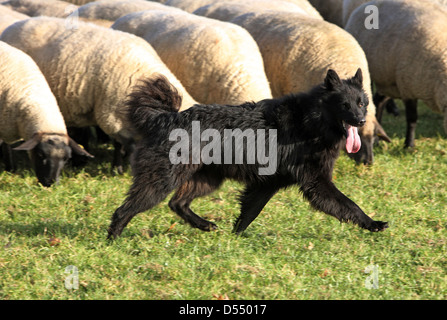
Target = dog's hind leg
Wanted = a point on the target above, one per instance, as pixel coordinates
(253, 200)
(199, 185)
(141, 197)
(324, 196)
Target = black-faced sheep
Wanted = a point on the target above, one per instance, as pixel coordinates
(90, 70)
(407, 54)
(28, 111)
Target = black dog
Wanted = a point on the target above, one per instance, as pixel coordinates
(304, 131)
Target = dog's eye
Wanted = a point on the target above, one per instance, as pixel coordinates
(361, 104)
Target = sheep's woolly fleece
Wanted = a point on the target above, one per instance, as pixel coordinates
(27, 105)
(217, 62)
(90, 69)
(415, 65)
(309, 47)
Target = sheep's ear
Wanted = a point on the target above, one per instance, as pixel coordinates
(358, 77)
(30, 144)
(78, 149)
(332, 79)
(380, 132)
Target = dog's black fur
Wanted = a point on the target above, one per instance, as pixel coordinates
(310, 132)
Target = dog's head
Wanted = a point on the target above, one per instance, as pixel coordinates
(347, 104)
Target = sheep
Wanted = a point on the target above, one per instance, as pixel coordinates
(226, 11)
(192, 5)
(113, 9)
(33, 8)
(350, 5)
(8, 17)
(90, 70)
(217, 62)
(80, 2)
(297, 52)
(29, 111)
(330, 10)
(407, 55)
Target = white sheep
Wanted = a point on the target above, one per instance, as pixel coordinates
(407, 54)
(80, 2)
(113, 9)
(8, 17)
(350, 5)
(298, 51)
(34, 8)
(330, 10)
(90, 70)
(192, 5)
(228, 10)
(29, 111)
(217, 62)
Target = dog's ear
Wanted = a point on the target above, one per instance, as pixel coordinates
(358, 78)
(332, 80)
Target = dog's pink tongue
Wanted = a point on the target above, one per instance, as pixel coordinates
(353, 142)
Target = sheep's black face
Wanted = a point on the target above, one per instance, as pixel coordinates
(49, 158)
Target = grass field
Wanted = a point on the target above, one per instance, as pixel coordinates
(288, 252)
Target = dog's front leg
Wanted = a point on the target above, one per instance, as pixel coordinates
(324, 196)
(253, 199)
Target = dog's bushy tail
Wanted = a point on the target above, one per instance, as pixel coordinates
(150, 98)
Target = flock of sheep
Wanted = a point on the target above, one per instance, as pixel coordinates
(72, 63)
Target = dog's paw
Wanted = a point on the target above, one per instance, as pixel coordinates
(211, 227)
(206, 226)
(377, 226)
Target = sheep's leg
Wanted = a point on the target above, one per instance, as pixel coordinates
(383, 102)
(122, 151)
(8, 157)
(380, 102)
(253, 200)
(411, 114)
(118, 157)
(142, 196)
(199, 185)
(323, 195)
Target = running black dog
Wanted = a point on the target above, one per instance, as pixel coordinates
(303, 134)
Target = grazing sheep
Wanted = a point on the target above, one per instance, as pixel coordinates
(407, 54)
(80, 2)
(192, 5)
(298, 51)
(330, 10)
(8, 17)
(34, 8)
(113, 9)
(217, 62)
(28, 110)
(90, 70)
(228, 10)
(350, 5)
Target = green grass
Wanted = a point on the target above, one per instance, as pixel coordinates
(288, 252)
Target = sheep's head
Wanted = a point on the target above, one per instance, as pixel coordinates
(370, 133)
(49, 152)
